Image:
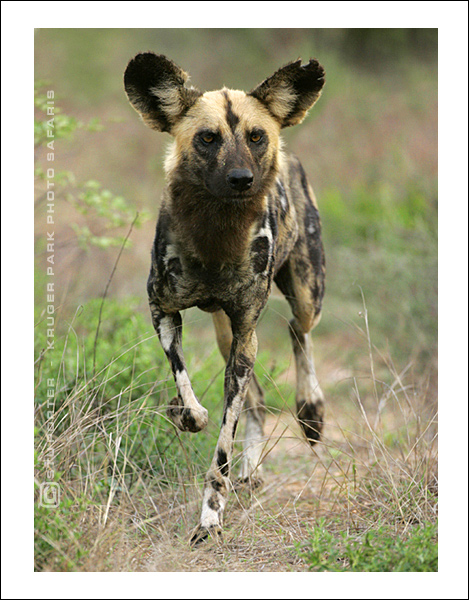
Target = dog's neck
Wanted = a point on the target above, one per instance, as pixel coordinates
(214, 231)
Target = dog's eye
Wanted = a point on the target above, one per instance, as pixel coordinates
(256, 137)
(207, 138)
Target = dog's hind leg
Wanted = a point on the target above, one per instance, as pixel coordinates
(251, 471)
(185, 411)
(309, 396)
(303, 288)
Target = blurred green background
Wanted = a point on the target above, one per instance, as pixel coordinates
(369, 147)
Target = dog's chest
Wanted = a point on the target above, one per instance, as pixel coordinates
(183, 278)
(187, 282)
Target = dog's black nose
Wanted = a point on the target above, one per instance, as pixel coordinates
(240, 179)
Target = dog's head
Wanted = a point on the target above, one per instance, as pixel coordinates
(226, 141)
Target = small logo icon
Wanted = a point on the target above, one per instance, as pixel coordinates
(49, 494)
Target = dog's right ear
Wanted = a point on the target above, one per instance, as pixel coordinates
(155, 87)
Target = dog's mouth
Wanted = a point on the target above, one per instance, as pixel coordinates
(238, 197)
(227, 196)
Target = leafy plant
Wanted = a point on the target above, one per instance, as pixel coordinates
(107, 211)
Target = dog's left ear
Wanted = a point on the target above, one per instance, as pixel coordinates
(155, 86)
(291, 91)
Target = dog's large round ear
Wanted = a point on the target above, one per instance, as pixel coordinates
(155, 86)
(291, 91)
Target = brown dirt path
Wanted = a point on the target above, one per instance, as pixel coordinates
(262, 526)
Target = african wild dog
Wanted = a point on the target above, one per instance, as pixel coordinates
(236, 215)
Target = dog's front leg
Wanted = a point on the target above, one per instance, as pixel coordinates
(217, 484)
(185, 411)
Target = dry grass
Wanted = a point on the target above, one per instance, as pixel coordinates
(377, 464)
(354, 480)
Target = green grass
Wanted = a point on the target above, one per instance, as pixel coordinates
(379, 549)
(118, 373)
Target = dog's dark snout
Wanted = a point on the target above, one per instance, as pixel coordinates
(240, 179)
